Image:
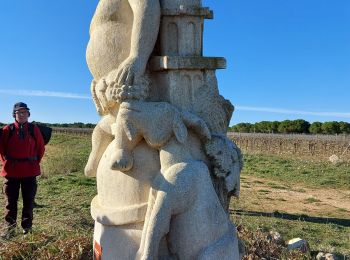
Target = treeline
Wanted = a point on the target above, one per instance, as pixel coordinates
(68, 125)
(72, 125)
(298, 126)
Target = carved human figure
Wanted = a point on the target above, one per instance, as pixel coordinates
(184, 187)
(122, 37)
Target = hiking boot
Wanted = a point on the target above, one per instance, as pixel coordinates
(7, 233)
(26, 231)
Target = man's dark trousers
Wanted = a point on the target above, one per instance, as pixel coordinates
(28, 187)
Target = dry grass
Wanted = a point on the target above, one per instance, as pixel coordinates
(258, 246)
(41, 245)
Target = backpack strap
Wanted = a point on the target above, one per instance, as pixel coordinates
(31, 130)
(12, 130)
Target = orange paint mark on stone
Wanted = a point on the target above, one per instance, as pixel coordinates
(97, 251)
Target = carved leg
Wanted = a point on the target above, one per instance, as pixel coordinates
(122, 158)
(225, 248)
(171, 190)
(100, 140)
(151, 202)
(158, 226)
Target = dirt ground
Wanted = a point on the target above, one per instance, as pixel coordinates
(261, 195)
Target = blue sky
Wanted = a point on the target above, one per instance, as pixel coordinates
(285, 59)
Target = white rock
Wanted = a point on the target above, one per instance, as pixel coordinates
(330, 256)
(334, 159)
(298, 243)
(320, 256)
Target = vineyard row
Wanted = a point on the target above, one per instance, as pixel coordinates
(305, 146)
(315, 146)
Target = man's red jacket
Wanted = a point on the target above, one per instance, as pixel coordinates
(15, 151)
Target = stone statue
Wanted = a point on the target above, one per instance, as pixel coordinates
(165, 169)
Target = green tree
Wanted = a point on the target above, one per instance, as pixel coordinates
(274, 126)
(242, 128)
(301, 126)
(294, 126)
(263, 127)
(78, 125)
(285, 127)
(315, 128)
(90, 125)
(344, 127)
(331, 127)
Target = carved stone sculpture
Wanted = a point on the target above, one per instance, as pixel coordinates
(182, 193)
(165, 169)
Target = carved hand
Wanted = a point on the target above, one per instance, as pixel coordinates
(129, 70)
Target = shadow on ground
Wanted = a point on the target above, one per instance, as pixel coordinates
(276, 214)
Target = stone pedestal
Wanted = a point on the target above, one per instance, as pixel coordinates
(120, 206)
(117, 241)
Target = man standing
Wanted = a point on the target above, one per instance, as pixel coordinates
(21, 149)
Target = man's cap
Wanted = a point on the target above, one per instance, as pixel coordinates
(19, 106)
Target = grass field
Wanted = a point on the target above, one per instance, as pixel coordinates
(295, 197)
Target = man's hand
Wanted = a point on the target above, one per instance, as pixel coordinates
(129, 70)
(119, 94)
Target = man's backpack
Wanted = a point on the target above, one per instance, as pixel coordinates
(45, 131)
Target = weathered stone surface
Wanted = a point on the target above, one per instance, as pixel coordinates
(164, 168)
(226, 162)
(186, 63)
(189, 11)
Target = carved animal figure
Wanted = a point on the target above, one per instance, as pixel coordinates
(183, 204)
(156, 122)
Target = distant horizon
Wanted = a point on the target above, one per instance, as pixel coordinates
(94, 123)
